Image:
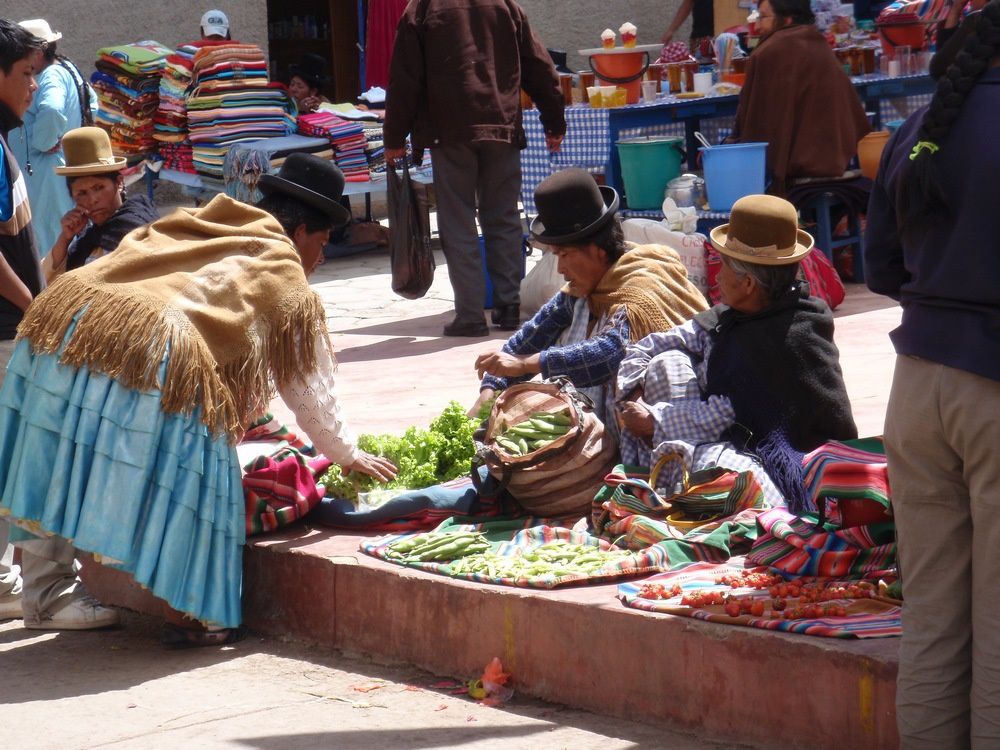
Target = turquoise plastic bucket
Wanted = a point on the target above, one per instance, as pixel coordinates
(732, 171)
(648, 164)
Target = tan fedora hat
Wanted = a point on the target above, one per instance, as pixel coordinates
(88, 151)
(40, 27)
(763, 229)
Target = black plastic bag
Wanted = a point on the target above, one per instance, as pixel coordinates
(409, 237)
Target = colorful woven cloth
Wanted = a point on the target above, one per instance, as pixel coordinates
(413, 510)
(715, 542)
(852, 470)
(266, 427)
(127, 82)
(865, 618)
(794, 545)
(514, 537)
(628, 506)
(281, 488)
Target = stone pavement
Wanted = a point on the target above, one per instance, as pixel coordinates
(121, 689)
(397, 370)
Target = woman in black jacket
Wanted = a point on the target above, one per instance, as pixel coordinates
(103, 214)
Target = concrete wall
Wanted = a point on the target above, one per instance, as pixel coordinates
(577, 24)
(88, 25)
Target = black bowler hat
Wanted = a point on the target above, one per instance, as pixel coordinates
(314, 181)
(313, 69)
(571, 206)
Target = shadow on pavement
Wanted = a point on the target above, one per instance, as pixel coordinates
(389, 739)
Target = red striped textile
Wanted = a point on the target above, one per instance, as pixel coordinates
(281, 488)
(865, 618)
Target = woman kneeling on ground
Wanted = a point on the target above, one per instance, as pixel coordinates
(135, 375)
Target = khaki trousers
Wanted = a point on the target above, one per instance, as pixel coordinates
(942, 437)
(10, 574)
(47, 579)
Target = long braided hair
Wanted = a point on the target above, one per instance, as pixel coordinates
(921, 195)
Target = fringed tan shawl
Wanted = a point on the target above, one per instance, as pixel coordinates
(220, 288)
(651, 283)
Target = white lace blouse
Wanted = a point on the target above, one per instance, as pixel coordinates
(313, 400)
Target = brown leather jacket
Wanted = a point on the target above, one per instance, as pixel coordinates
(457, 70)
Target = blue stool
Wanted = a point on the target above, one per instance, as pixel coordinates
(819, 209)
(525, 251)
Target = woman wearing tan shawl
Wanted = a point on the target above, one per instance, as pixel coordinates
(134, 375)
(798, 100)
(615, 293)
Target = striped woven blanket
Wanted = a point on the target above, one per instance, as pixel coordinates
(864, 618)
(509, 537)
(795, 545)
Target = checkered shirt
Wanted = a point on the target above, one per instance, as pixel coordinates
(671, 369)
(592, 362)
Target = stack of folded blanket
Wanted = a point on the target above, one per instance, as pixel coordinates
(232, 100)
(171, 116)
(177, 156)
(127, 81)
(348, 140)
(374, 148)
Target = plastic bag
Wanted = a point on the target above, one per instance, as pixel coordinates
(541, 284)
(690, 247)
(409, 237)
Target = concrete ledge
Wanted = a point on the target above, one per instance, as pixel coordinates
(579, 646)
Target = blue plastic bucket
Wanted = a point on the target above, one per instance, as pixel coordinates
(733, 171)
(648, 164)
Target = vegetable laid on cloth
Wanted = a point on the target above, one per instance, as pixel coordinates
(438, 546)
(424, 457)
(556, 558)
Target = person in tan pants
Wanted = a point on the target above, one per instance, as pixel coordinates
(933, 243)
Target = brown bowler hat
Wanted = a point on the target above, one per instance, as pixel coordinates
(88, 151)
(763, 229)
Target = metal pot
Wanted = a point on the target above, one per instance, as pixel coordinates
(686, 190)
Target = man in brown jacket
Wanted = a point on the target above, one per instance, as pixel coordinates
(458, 67)
(798, 100)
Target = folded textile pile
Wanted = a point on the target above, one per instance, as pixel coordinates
(231, 101)
(127, 82)
(348, 140)
(171, 116)
(374, 148)
(177, 156)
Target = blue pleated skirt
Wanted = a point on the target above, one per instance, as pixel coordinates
(153, 494)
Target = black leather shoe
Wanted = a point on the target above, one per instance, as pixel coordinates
(507, 317)
(469, 328)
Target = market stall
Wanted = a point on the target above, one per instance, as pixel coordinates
(592, 132)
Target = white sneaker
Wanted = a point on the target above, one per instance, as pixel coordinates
(10, 607)
(84, 613)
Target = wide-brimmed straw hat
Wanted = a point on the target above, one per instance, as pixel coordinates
(763, 229)
(314, 181)
(40, 27)
(88, 151)
(571, 206)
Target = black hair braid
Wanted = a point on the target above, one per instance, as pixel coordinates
(921, 195)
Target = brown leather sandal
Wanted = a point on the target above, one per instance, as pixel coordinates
(175, 636)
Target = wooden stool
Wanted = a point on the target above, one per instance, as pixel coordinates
(819, 208)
